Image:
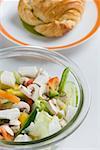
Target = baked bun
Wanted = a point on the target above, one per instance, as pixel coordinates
(51, 18)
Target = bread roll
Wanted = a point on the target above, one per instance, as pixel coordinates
(51, 18)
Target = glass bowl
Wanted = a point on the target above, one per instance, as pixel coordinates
(54, 63)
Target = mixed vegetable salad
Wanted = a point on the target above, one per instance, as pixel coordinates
(34, 105)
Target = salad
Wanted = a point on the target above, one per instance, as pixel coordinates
(34, 105)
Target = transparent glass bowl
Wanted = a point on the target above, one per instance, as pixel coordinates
(54, 63)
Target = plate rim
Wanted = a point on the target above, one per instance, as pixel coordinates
(73, 44)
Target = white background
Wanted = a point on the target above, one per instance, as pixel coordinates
(87, 57)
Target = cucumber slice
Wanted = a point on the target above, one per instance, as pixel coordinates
(41, 125)
(72, 93)
(53, 93)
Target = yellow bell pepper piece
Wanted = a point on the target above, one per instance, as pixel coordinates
(23, 117)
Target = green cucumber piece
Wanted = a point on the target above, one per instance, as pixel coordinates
(41, 125)
(17, 93)
(53, 94)
(72, 93)
(41, 104)
(63, 80)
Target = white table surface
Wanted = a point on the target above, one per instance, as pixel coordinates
(87, 57)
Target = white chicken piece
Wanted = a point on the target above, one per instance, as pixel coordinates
(22, 105)
(54, 125)
(42, 90)
(10, 114)
(8, 129)
(8, 78)
(34, 90)
(42, 78)
(15, 128)
(53, 107)
(25, 91)
(22, 138)
(28, 71)
(15, 125)
(14, 122)
(38, 88)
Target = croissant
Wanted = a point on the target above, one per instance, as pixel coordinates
(51, 18)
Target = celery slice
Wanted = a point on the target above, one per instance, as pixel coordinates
(63, 80)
